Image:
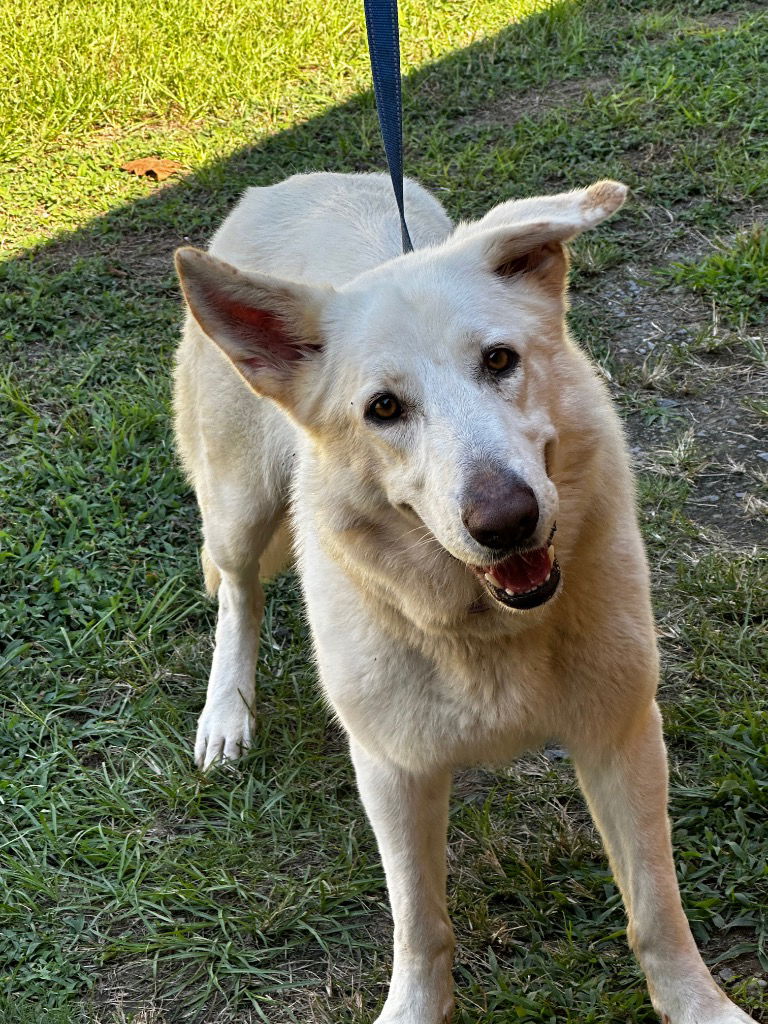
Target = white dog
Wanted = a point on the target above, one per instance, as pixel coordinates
(424, 424)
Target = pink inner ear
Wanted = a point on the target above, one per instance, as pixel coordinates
(263, 333)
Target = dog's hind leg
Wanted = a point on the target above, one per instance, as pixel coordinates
(409, 815)
(237, 528)
(626, 786)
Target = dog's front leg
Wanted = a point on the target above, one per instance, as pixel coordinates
(224, 728)
(626, 787)
(409, 815)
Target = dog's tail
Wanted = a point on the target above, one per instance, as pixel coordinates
(210, 572)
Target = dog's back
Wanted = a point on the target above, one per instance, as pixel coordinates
(325, 228)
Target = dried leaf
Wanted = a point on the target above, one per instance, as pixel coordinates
(152, 167)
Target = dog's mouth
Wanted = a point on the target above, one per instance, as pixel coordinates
(523, 580)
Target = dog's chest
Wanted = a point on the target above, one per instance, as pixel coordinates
(466, 705)
(420, 699)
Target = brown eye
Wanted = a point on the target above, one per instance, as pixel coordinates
(385, 407)
(498, 360)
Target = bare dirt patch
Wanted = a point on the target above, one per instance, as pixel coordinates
(146, 253)
(536, 102)
(689, 387)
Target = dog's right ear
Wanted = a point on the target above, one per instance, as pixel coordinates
(267, 327)
(575, 211)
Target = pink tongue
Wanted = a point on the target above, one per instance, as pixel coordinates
(519, 573)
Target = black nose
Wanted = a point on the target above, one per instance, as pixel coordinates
(500, 510)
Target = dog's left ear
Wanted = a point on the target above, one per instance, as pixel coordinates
(525, 237)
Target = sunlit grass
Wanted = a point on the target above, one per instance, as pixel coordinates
(70, 68)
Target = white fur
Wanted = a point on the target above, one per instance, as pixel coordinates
(280, 360)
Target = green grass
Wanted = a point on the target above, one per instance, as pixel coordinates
(735, 277)
(132, 888)
(75, 67)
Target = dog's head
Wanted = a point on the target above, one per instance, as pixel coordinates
(424, 383)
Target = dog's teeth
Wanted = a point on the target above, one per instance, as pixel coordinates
(490, 579)
(551, 555)
(547, 579)
(510, 592)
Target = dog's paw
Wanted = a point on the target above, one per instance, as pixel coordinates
(416, 1010)
(726, 1013)
(224, 733)
(731, 1014)
(409, 1017)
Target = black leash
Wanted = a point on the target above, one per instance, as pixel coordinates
(384, 47)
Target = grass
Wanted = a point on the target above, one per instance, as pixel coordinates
(75, 68)
(735, 277)
(132, 888)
